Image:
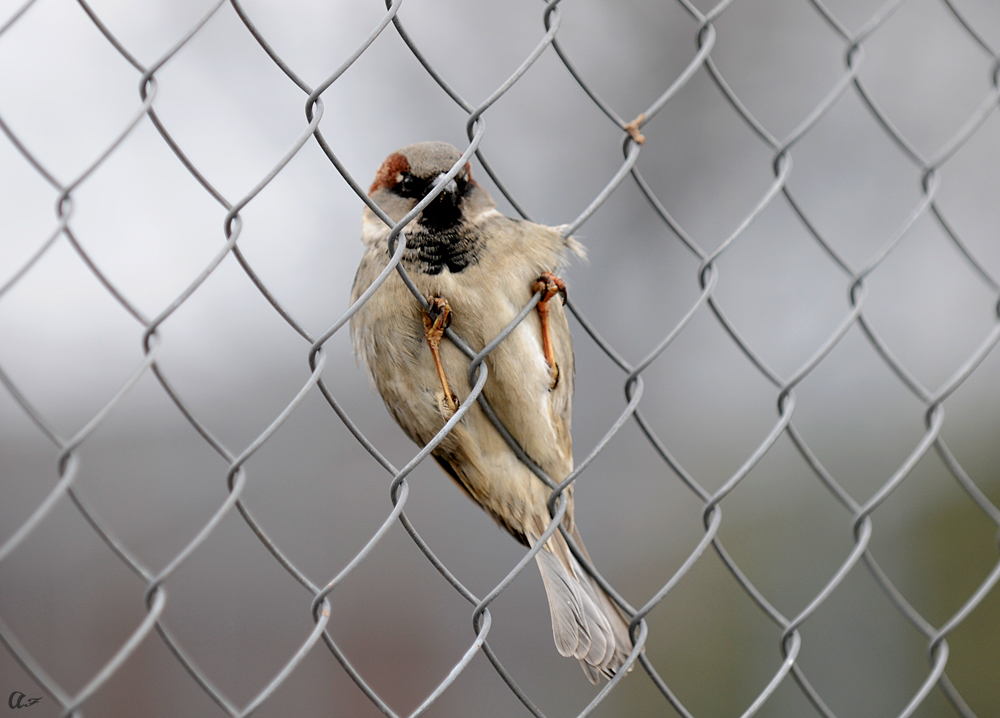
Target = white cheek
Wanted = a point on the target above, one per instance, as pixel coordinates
(485, 214)
(372, 229)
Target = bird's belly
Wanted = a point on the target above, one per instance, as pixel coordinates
(518, 388)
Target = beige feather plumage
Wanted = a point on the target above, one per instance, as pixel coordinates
(485, 296)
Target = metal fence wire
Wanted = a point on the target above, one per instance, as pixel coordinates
(857, 512)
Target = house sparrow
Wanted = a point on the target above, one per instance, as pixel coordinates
(478, 269)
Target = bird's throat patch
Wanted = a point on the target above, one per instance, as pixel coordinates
(454, 248)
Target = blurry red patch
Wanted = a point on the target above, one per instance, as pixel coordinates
(388, 173)
(468, 173)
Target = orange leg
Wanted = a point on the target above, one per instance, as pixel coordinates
(435, 322)
(549, 285)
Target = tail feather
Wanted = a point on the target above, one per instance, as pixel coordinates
(619, 623)
(586, 624)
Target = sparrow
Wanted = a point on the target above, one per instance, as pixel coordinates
(478, 269)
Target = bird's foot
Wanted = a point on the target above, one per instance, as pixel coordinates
(549, 285)
(436, 319)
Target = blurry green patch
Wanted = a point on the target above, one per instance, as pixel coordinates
(957, 552)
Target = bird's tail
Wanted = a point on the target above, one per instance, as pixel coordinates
(586, 623)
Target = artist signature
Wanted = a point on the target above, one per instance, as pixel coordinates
(19, 700)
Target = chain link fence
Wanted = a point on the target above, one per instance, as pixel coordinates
(772, 428)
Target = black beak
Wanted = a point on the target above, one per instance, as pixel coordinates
(449, 193)
(443, 212)
(450, 187)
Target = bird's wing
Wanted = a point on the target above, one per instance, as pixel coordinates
(536, 414)
(562, 395)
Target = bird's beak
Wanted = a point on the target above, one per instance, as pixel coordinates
(450, 187)
(443, 211)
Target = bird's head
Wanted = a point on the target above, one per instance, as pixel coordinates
(411, 173)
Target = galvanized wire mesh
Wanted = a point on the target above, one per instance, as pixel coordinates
(857, 512)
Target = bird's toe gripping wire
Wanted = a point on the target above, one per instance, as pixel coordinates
(549, 285)
(436, 320)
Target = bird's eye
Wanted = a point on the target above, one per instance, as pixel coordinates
(407, 184)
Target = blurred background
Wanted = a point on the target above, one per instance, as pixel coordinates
(68, 346)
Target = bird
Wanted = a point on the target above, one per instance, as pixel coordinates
(477, 269)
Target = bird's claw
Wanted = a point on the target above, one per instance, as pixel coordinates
(549, 285)
(437, 318)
